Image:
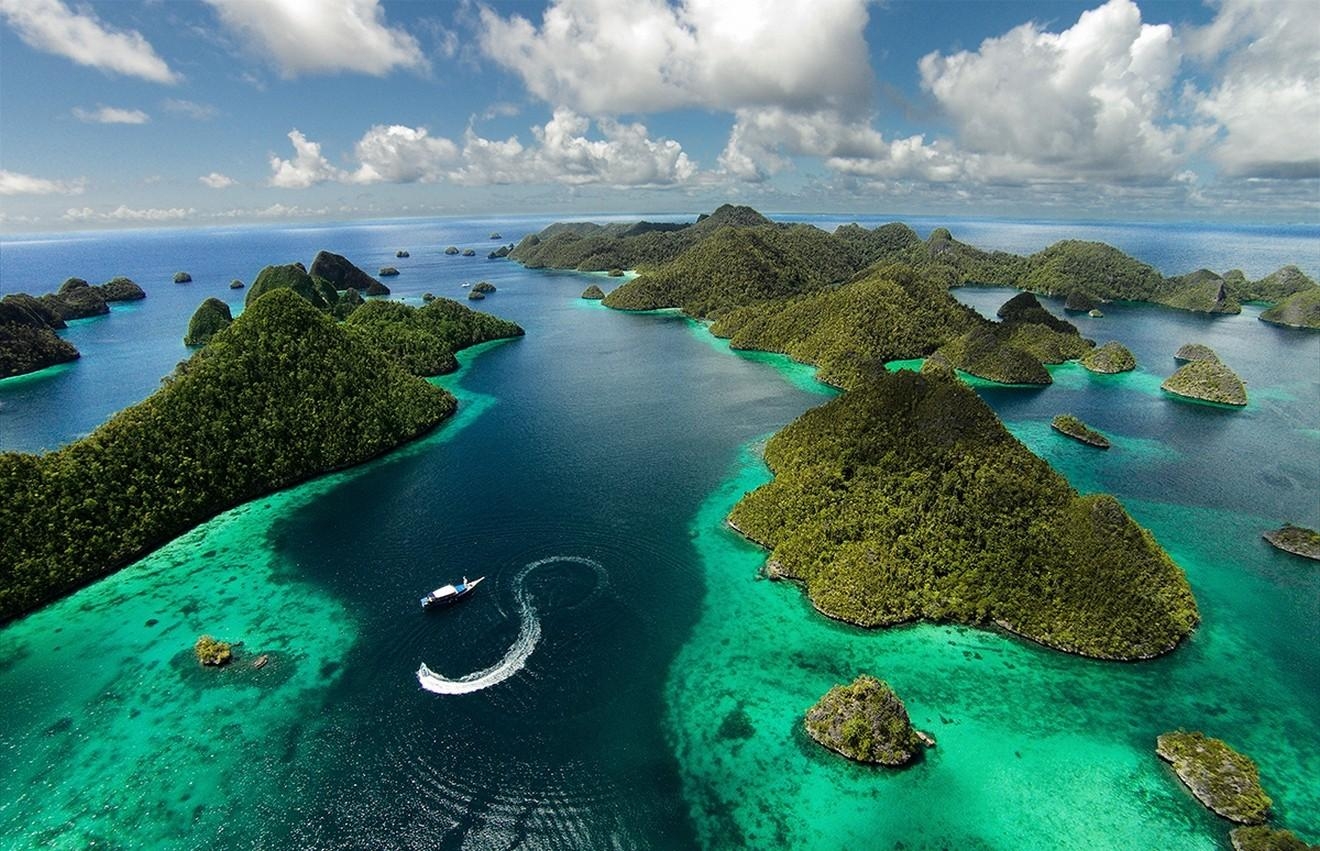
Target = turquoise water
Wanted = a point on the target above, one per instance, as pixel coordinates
(660, 705)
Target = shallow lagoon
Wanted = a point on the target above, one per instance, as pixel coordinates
(661, 706)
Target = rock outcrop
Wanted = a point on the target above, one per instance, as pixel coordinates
(182, 278)
(1195, 351)
(1220, 777)
(1069, 425)
(1296, 540)
(1110, 358)
(864, 721)
(593, 292)
(339, 271)
(1207, 381)
(121, 289)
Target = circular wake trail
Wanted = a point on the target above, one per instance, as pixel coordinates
(529, 633)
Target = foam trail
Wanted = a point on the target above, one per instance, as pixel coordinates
(529, 633)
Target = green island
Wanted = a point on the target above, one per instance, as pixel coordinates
(236, 284)
(1221, 778)
(1263, 838)
(593, 292)
(483, 287)
(865, 721)
(1110, 358)
(1296, 540)
(1188, 352)
(1087, 273)
(211, 317)
(28, 341)
(388, 271)
(475, 295)
(213, 653)
(1069, 425)
(904, 498)
(1299, 310)
(182, 278)
(281, 395)
(1207, 381)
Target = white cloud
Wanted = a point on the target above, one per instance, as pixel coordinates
(127, 214)
(398, 154)
(563, 151)
(307, 168)
(625, 157)
(1090, 100)
(14, 183)
(216, 180)
(110, 115)
(191, 109)
(323, 37)
(1267, 97)
(52, 27)
(622, 56)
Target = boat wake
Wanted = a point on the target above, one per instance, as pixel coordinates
(529, 633)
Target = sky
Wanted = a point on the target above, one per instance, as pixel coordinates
(202, 112)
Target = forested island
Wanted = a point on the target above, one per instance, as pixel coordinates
(1220, 777)
(1076, 429)
(28, 341)
(905, 498)
(865, 721)
(283, 393)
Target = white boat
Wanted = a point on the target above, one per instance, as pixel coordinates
(447, 594)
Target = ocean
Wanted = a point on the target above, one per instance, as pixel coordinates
(641, 685)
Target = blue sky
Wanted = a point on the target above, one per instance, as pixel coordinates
(172, 111)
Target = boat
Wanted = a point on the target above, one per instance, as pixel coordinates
(496, 235)
(447, 594)
(261, 661)
(466, 284)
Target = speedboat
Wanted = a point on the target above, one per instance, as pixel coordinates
(448, 594)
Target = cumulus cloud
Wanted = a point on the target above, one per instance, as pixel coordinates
(399, 154)
(307, 168)
(52, 27)
(216, 180)
(1267, 97)
(1090, 100)
(190, 109)
(128, 214)
(14, 183)
(563, 151)
(110, 115)
(623, 56)
(324, 37)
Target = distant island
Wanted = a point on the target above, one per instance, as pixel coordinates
(282, 394)
(1085, 273)
(28, 341)
(1299, 310)
(904, 498)
(1113, 357)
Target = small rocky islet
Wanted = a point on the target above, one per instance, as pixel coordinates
(182, 278)
(1221, 778)
(1264, 838)
(865, 721)
(1297, 540)
(1207, 381)
(1189, 352)
(1069, 425)
(211, 652)
(1111, 358)
(593, 292)
(210, 318)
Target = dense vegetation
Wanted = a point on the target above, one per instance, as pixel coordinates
(1300, 310)
(849, 332)
(1195, 351)
(281, 395)
(483, 287)
(1112, 357)
(593, 292)
(425, 339)
(864, 721)
(1085, 272)
(985, 354)
(210, 651)
(1220, 777)
(906, 498)
(1207, 381)
(1076, 429)
(1262, 838)
(28, 341)
(211, 317)
(27, 348)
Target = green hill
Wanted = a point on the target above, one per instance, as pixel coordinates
(906, 499)
(1299, 310)
(425, 339)
(281, 395)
